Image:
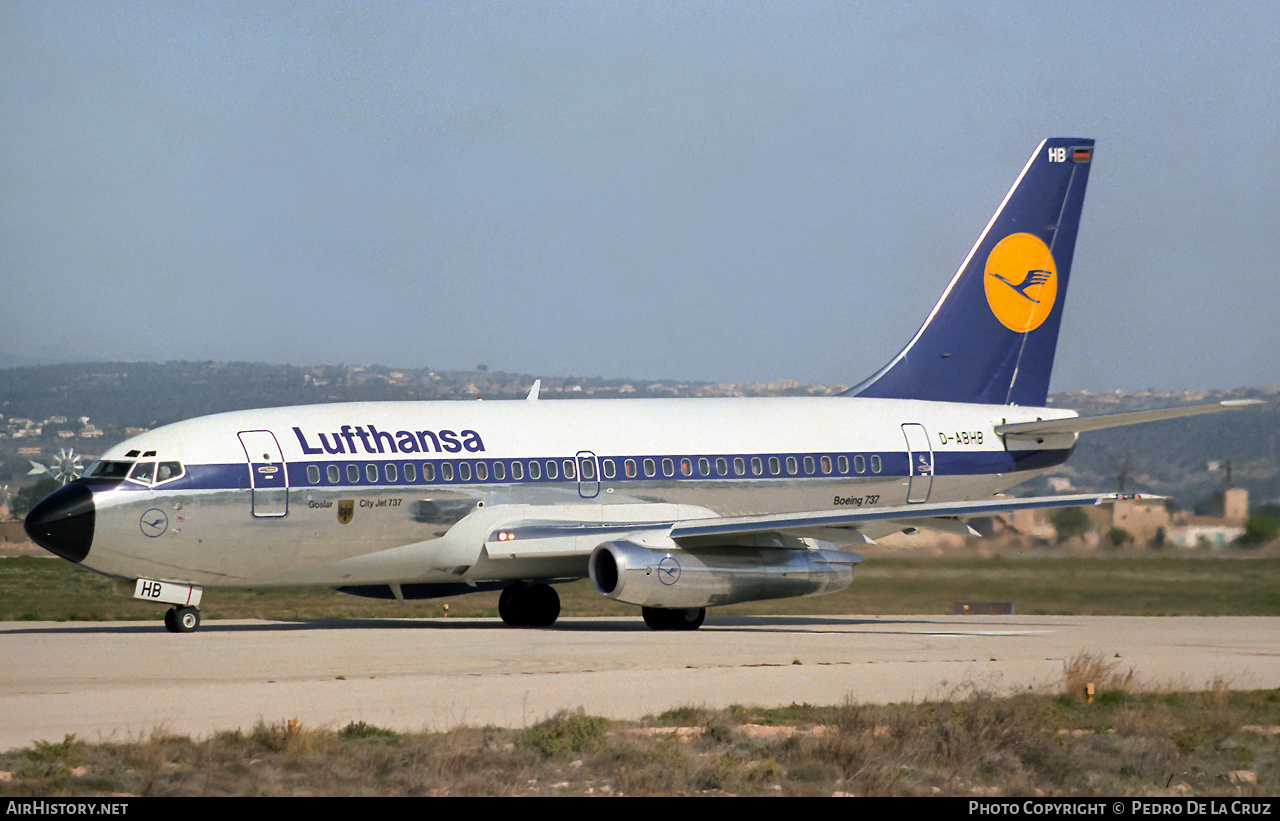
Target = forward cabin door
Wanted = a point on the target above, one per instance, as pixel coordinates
(268, 474)
(920, 459)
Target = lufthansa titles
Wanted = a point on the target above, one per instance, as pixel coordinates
(372, 440)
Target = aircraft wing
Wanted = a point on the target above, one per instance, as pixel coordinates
(943, 516)
(1080, 424)
(544, 538)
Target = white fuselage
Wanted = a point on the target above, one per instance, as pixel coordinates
(410, 492)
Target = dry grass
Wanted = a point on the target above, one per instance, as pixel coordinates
(1088, 675)
(1127, 742)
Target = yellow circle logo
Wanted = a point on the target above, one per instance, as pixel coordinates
(1021, 282)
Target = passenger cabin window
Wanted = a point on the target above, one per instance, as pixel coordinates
(757, 466)
(353, 474)
(609, 469)
(410, 472)
(649, 468)
(428, 472)
(482, 471)
(517, 470)
(552, 470)
(808, 465)
(860, 463)
(333, 473)
(791, 465)
(371, 472)
(739, 466)
(668, 467)
(569, 472)
(313, 474)
(722, 466)
(875, 464)
(392, 473)
(629, 468)
(499, 471)
(464, 472)
(774, 466)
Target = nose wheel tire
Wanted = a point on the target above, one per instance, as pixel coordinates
(182, 619)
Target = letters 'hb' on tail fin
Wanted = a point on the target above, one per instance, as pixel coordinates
(991, 337)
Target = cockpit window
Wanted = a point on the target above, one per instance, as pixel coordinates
(142, 472)
(109, 470)
(168, 470)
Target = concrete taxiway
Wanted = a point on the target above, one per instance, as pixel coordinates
(126, 680)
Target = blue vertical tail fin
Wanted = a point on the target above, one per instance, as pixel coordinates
(991, 338)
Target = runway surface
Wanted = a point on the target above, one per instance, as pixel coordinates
(126, 680)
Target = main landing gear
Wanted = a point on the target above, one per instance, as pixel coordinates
(662, 618)
(181, 619)
(529, 605)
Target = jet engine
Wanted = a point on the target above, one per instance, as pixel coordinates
(679, 578)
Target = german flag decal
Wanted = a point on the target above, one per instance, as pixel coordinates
(1083, 154)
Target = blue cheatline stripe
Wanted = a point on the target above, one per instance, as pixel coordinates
(892, 464)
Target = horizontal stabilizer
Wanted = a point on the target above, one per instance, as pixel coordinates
(1080, 424)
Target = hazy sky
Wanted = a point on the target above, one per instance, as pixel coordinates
(698, 190)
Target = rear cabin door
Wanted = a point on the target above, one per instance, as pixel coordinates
(920, 459)
(268, 474)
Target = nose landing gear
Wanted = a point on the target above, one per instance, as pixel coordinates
(182, 619)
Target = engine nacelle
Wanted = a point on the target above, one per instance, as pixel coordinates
(635, 574)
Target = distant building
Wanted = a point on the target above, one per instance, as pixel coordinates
(1214, 531)
(1235, 505)
(1205, 535)
(1146, 520)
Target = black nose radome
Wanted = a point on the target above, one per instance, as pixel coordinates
(62, 522)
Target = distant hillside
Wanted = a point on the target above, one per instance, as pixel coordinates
(1185, 458)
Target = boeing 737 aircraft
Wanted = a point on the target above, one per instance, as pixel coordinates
(675, 505)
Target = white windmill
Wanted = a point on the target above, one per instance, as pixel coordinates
(66, 466)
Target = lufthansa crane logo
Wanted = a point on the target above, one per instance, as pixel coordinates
(1021, 282)
(154, 523)
(668, 570)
